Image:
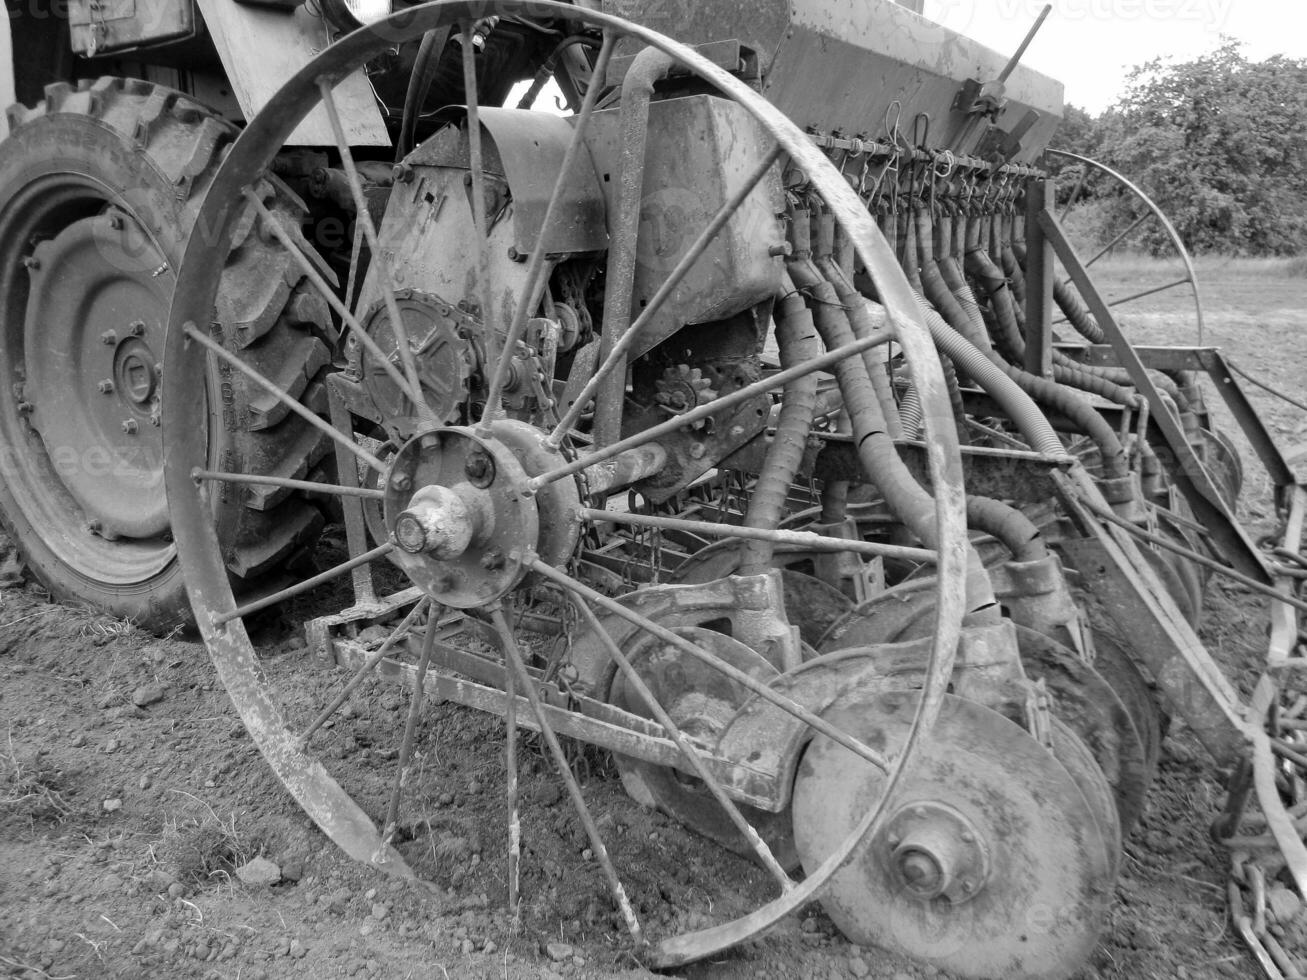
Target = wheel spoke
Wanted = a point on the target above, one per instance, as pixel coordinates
(514, 658)
(279, 481)
(510, 794)
(535, 276)
(734, 673)
(384, 273)
(477, 162)
(306, 586)
(1138, 223)
(1149, 292)
(364, 669)
(799, 539)
(334, 301)
(617, 355)
(778, 380)
(674, 733)
(410, 728)
(195, 334)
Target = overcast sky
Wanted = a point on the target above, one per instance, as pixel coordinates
(1091, 44)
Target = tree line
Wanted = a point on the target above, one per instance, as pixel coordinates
(1220, 143)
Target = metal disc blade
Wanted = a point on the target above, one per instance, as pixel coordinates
(1037, 910)
(1079, 762)
(1115, 666)
(1090, 708)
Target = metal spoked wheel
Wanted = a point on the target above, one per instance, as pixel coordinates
(495, 502)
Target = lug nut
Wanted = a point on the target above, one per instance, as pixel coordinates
(32, 263)
(116, 222)
(105, 386)
(109, 338)
(130, 426)
(401, 482)
(95, 527)
(137, 328)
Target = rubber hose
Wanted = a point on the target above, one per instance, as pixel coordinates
(425, 66)
(864, 324)
(904, 496)
(1017, 532)
(910, 412)
(796, 336)
(932, 281)
(956, 282)
(1048, 393)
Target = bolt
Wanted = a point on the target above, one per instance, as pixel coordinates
(402, 173)
(136, 328)
(105, 386)
(894, 839)
(32, 263)
(130, 426)
(95, 527)
(492, 560)
(25, 408)
(480, 469)
(515, 256)
(116, 222)
(783, 250)
(968, 837)
(968, 886)
(109, 338)
(919, 812)
(698, 451)
(401, 482)
(155, 420)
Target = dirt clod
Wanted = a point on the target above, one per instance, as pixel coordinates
(148, 694)
(258, 872)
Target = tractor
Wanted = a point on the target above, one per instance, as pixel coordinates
(714, 385)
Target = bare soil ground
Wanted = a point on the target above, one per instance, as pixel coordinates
(130, 794)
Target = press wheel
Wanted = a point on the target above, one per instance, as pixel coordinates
(990, 862)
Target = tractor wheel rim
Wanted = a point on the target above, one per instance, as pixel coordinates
(75, 469)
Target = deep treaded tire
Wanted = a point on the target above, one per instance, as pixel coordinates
(99, 188)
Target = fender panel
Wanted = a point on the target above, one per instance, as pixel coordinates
(262, 48)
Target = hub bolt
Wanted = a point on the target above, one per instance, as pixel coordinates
(130, 426)
(116, 221)
(137, 328)
(25, 408)
(105, 386)
(109, 338)
(480, 469)
(95, 527)
(32, 263)
(401, 482)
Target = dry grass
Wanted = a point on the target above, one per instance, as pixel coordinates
(1127, 264)
(29, 789)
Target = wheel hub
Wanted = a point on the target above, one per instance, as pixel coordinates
(96, 308)
(464, 525)
(935, 852)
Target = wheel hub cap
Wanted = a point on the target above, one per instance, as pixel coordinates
(96, 309)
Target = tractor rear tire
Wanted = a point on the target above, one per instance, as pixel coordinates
(99, 189)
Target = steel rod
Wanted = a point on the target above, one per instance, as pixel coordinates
(628, 339)
(674, 733)
(1146, 216)
(511, 793)
(716, 663)
(364, 669)
(325, 290)
(195, 334)
(1147, 292)
(385, 277)
(410, 730)
(476, 162)
(778, 380)
(307, 585)
(600, 849)
(798, 539)
(307, 486)
(536, 270)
